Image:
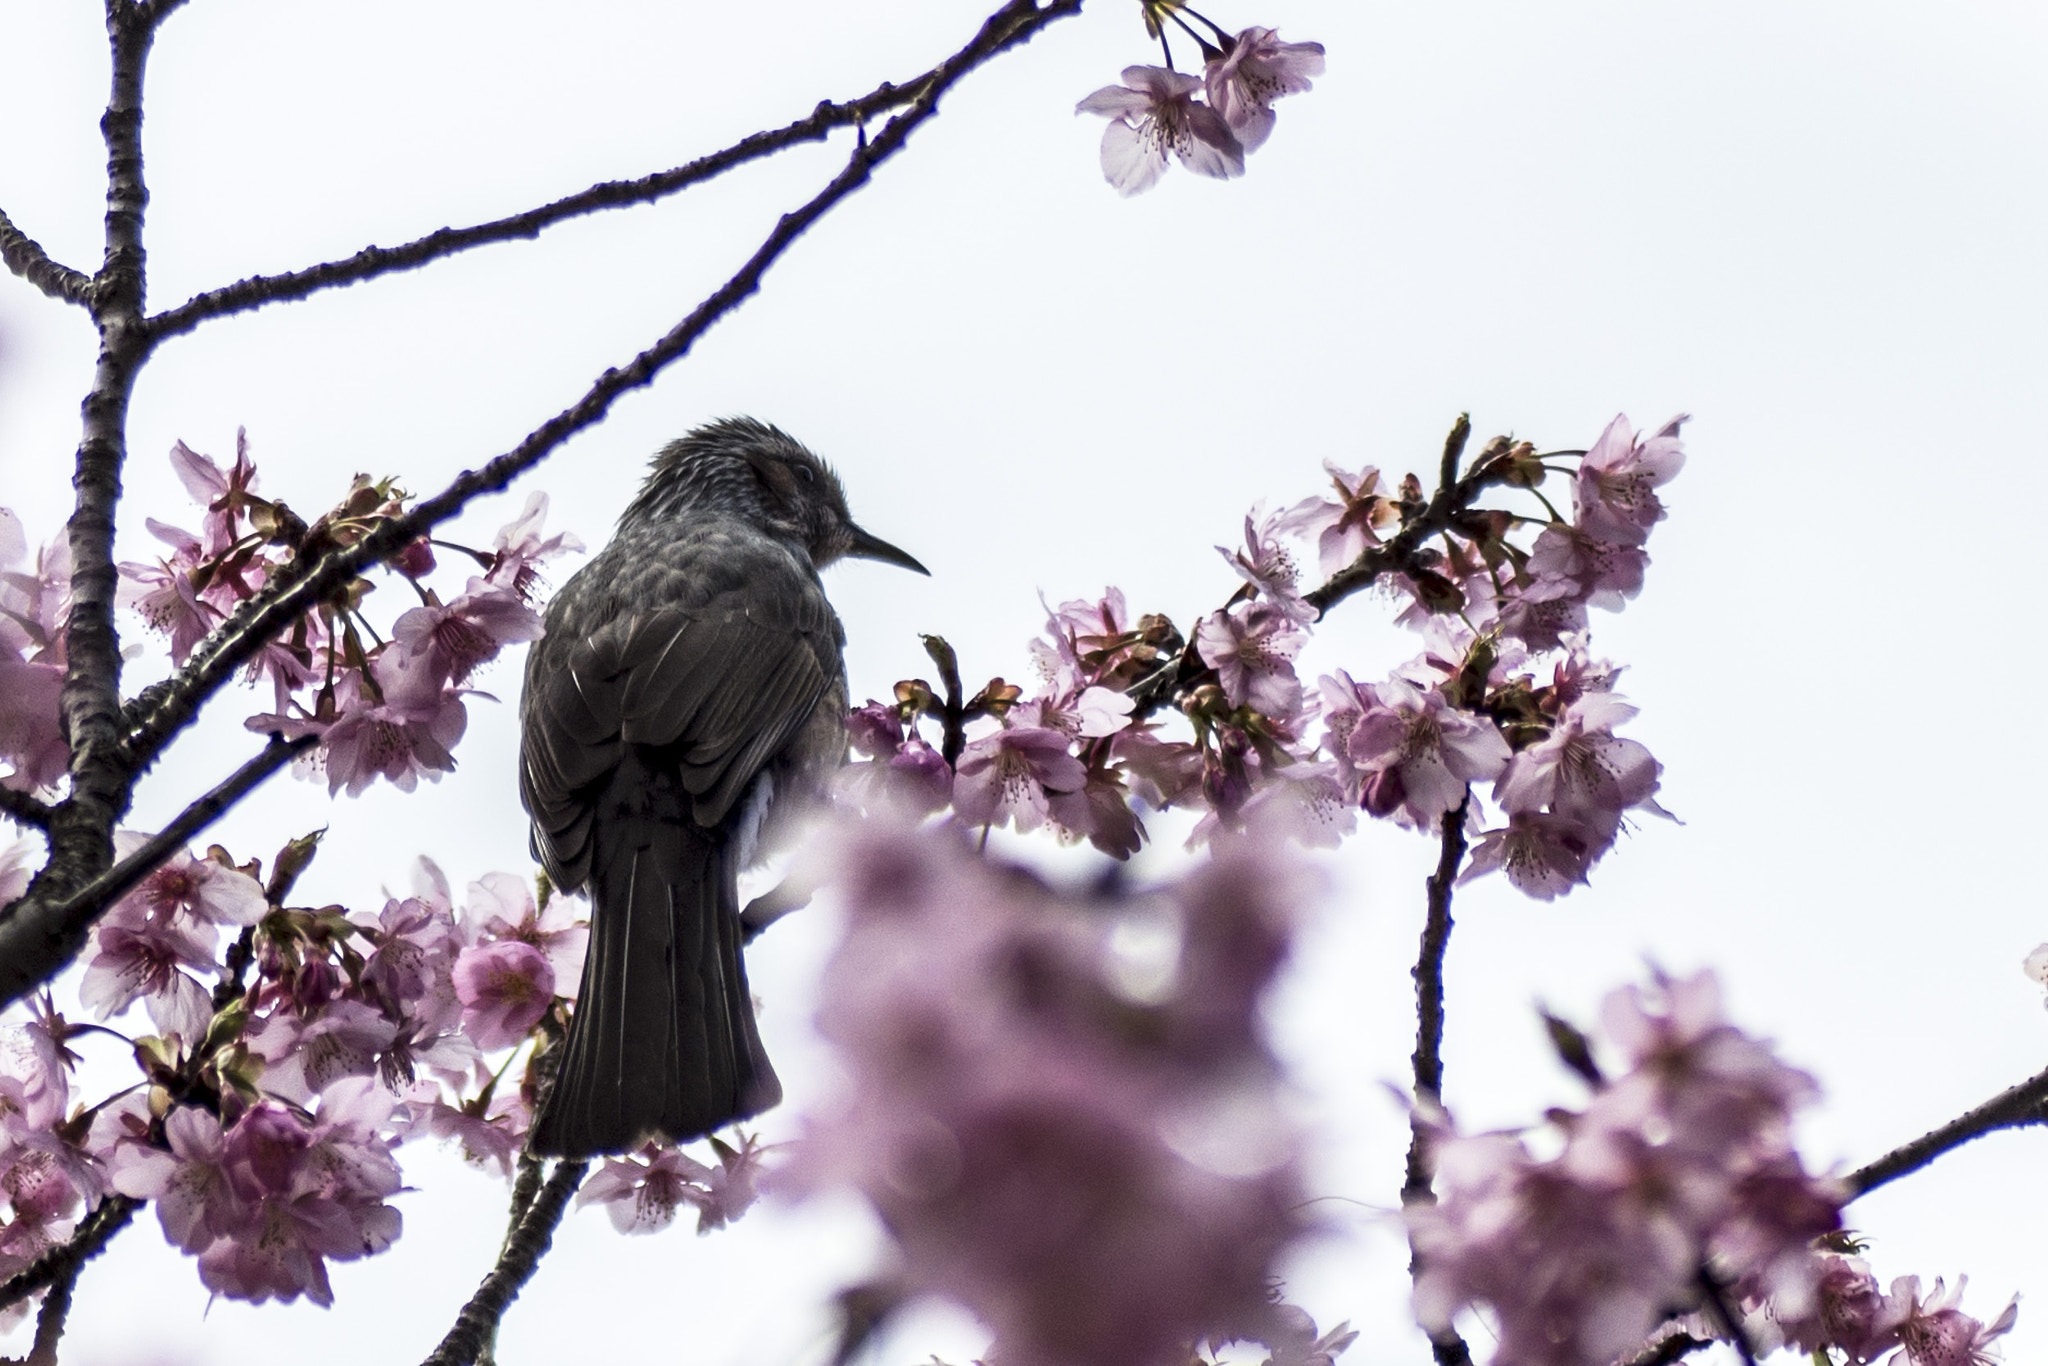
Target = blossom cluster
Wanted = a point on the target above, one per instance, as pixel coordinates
(390, 708)
(1158, 110)
(286, 1070)
(1061, 1104)
(1676, 1191)
(1505, 692)
(1680, 1171)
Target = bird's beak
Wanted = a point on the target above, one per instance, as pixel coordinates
(870, 547)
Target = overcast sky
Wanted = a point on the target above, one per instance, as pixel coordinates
(1815, 226)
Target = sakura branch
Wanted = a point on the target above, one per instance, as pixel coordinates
(371, 262)
(478, 1321)
(2024, 1104)
(26, 258)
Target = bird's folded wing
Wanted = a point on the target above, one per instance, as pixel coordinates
(720, 687)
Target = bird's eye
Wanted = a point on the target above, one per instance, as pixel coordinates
(805, 473)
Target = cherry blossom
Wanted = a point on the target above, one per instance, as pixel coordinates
(505, 988)
(1097, 1175)
(1008, 777)
(1615, 493)
(1252, 650)
(1155, 112)
(1258, 69)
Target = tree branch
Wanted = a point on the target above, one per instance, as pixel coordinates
(371, 262)
(26, 258)
(37, 938)
(478, 1321)
(1400, 554)
(1666, 1351)
(2026, 1103)
(108, 1218)
(1448, 1348)
(81, 828)
(1403, 553)
(161, 711)
(24, 809)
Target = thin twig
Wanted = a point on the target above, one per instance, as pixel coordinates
(108, 1218)
(478, 1320)
(2026, 1103)
(24, 809)
(1428, 972)
(1404, 553)
(1666, 1351)
(1722, 1307)
(26, 258)
(371, 262)
(1447, 1346)
(59, 928)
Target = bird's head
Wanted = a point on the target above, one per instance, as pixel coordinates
(749, 469)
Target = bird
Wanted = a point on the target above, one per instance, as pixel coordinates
(684, 708)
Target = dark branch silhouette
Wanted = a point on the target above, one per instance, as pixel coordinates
(478, 1321)
(2026, 1103)
(108, 1218)
(24, 809)
(25, 257)
(371, 262)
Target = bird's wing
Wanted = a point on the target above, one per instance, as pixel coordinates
(718, 688)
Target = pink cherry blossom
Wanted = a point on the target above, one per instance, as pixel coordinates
(1267, 565)
(1101, 1177)
(200, 891)
(447, 644)
(1008, 777)
(1932, 1331)
(1582, 769)
(500, 907)
(491, 1129)
(642, 1191)
(223, 493)
(520, 548)
(1252, 649)
(1153, 113)
(505, 988)
(1542, 853)
(1615, 493)
(1259, 69)
(164, 595)
(1422, 751)
(140, 956)
(1345, 529)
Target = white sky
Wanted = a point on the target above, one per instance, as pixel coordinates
(1814, 225)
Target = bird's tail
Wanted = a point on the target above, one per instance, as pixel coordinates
(662, 1044)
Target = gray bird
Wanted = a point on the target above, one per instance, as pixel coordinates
(686, 704)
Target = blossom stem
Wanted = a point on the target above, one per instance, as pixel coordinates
(2026, 1103)
(1448, 1348)
(1716, 1296)
(62, 1263)
(527, 1244)
(75, 914)
(1666, 1351)
(26, 258)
